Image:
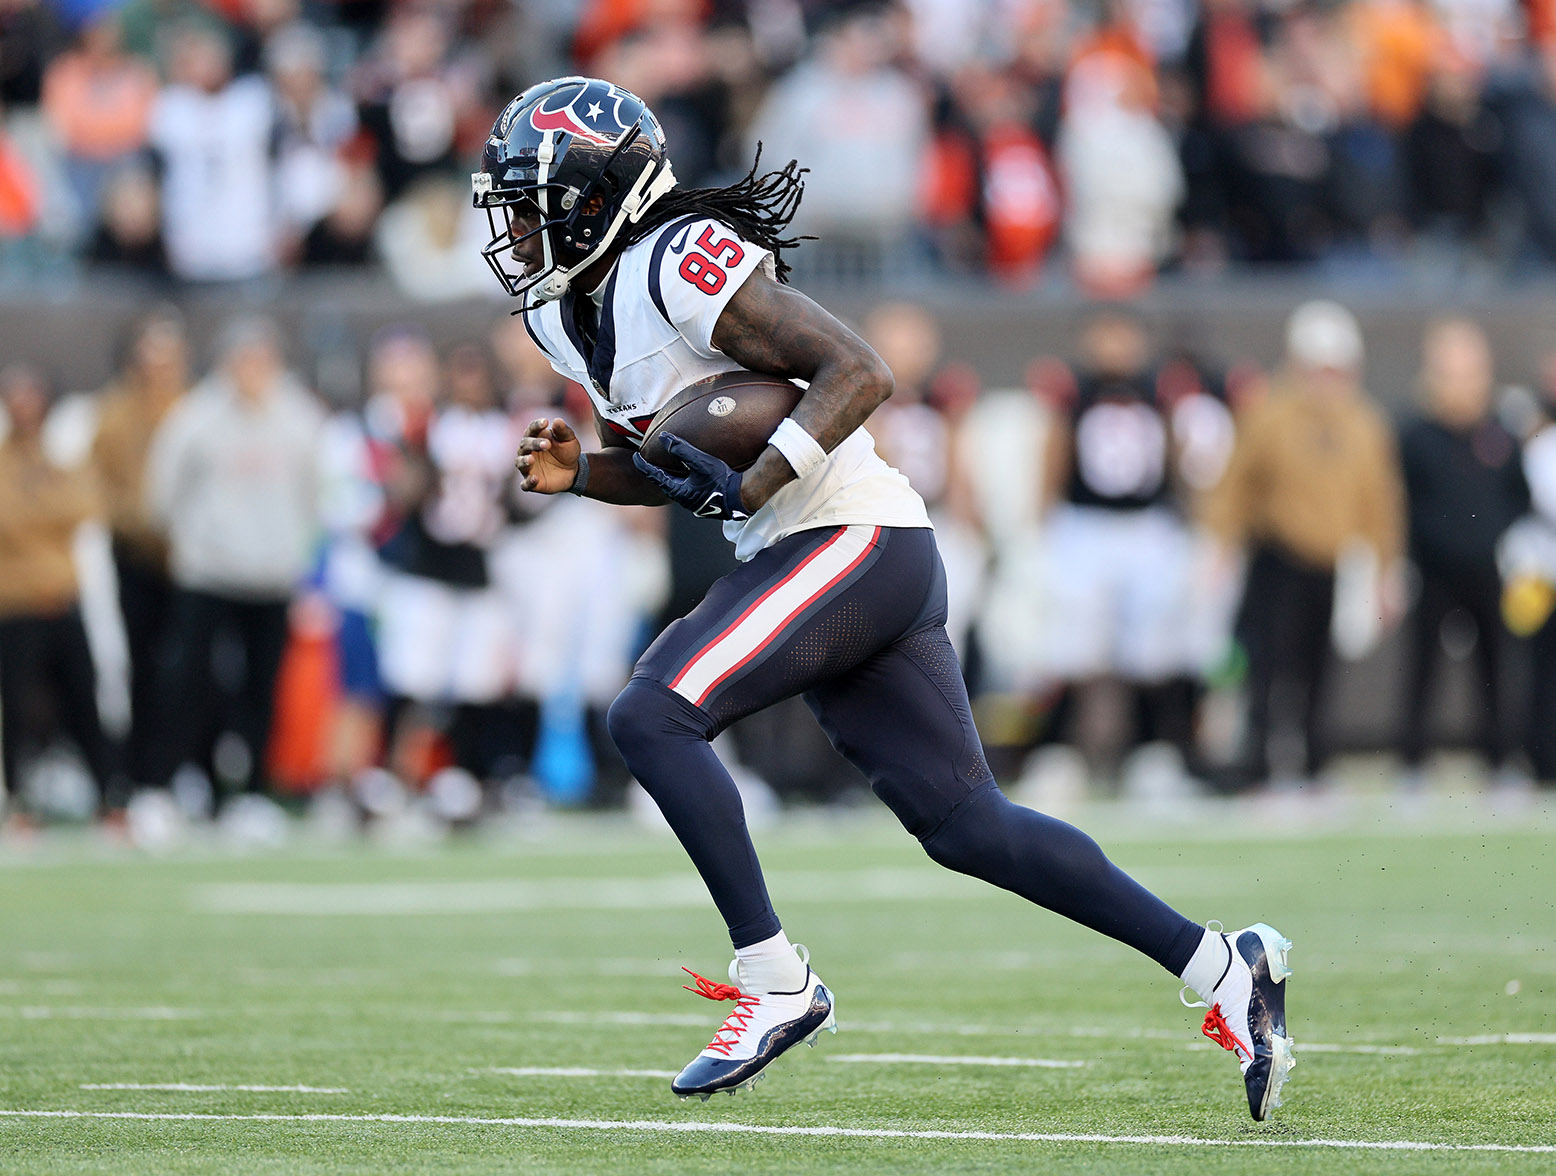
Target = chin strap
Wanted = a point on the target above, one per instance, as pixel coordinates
(642, 196)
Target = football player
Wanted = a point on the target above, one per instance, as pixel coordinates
(636, 288)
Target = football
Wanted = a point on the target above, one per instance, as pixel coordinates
(730, 415)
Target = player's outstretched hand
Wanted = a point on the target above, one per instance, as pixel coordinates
(548, 456)
(709, 488)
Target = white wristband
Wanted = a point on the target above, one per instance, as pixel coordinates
(802, 451)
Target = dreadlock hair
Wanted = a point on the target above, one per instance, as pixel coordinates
(758, 207)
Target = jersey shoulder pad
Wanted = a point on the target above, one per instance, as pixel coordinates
(695, 266)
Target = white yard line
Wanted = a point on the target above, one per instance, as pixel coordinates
(631, 1017)
(500, 896)
(953, 1060)
(694, 1127)
(605, 966)
(1502, 1039)
(886, 1059)
(202, 1088)
(682, 890)
(575, 1072)
(83, 1013)
(1340, 1047)
(627, 1017)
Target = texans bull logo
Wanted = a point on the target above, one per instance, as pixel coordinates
(591, 113)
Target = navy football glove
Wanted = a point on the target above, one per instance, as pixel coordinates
(709, 488)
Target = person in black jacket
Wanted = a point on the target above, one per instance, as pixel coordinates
(1464, 485)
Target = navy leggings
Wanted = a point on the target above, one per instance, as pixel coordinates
(854, 619)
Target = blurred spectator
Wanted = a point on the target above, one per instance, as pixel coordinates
(314, 122)
(98, 101)
(674, 66)
(47, 678)
(1286, 154)
(1227, 82)
(1312, 478)
(214, 136)
(129, 233)
(412, 98)
(152, 379)
(1524, 100)
(1011, 190)
(1116, 548)
(430, 241)
(1122, 183)
(858, 123)
(1464, 486)
(1527, 560)
(369, 479)
(30, 34)
(444, 638)
(232, 476)
(254, 24)
(1450, 153)
(344, 235)
(1302, 133)
(402, 391)
(1399, 42)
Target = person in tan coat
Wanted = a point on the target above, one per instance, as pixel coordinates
(152, 379)
(1313, 476)
(47, 678)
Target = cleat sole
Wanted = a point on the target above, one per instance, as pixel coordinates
(1283, 1059)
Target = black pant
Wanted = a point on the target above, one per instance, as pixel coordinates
(853, 618)
(1284, 624)
(146, 602)
(190, 685)
(1478, 591)
(47, 677)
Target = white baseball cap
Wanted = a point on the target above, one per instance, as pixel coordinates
(1324, 334)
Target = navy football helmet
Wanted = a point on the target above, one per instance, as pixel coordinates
(552, 149)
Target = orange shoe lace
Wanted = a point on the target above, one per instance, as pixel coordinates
(736, 1023)
(1220, 1032)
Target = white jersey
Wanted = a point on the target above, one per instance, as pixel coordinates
(657, 311)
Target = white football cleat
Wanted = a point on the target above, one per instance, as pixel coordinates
(1247, 1013)
(762, 1027)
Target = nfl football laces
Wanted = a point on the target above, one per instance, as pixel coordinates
(1246, 1014)
(762, 1027)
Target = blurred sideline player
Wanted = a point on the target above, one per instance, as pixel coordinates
(1117, 550)
(636, 288)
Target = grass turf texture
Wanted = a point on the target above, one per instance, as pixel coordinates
(414, 997)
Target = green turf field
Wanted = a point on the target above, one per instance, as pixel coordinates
(421, 999)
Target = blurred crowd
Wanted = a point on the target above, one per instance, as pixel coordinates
(215, 582)
(238, 140)
(228, 584)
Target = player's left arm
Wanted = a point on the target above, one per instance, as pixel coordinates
(773, 328)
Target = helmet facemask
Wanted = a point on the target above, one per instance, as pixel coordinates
(571, 237)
